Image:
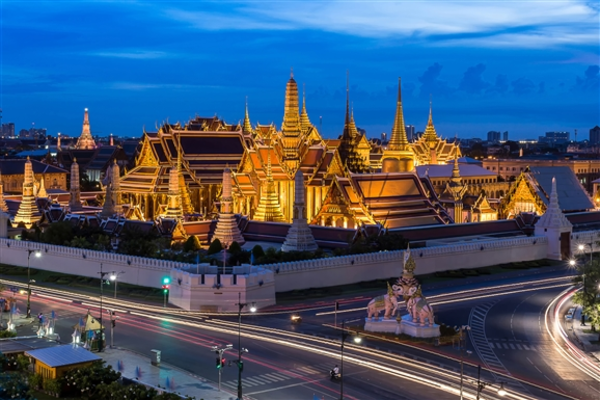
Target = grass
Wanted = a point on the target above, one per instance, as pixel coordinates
(80, 284)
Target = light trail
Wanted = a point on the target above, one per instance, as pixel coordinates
(566, 349)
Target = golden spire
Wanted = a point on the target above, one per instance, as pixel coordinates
(247, 126)
(430, 135)
(291, 116)
(304, 121)
(456, 178)
(269, 208)
(398, 140)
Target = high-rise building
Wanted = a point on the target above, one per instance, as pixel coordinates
(505, 136)
(595, 135)
(8, 129)
(410, 132)
(493, 136)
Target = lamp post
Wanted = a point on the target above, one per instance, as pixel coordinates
(240, 363)
(113, 277)
(102, 275)
(37, 254)
(462, 343)
(482, 385)
(357, 340)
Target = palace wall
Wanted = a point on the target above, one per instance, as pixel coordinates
(366, 267)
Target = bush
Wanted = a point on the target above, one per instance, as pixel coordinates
(215, 247)
(52, 386)
(235, 248)
(258, 252)
(7, 334)
(35, 381)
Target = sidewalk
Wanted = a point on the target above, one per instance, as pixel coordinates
(585, 339)
(136, 366)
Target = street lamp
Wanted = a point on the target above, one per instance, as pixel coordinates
(101, 341)
(37, 254)
(240, 363)
(462, 343)
(482, 385)
(357, 340)
(113, 277)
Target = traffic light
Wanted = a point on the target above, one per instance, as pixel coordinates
(222, 362)
(114, 323)
(241, 365)
(166, 288)
(166, 280)
(166, 284)
(218, 362)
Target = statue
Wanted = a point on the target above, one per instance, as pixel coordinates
(387, 302)
(419, 309)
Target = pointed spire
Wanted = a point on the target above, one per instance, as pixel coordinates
(456, 171)
(227, 230)
(347, 121)
(42, 194)
(86, 141)
(75, 200)
(350, 132)
(399, 140)
(304, 121)
(28, 213)
(269, 208)
(430, 134)
(553, 217)
(247, 126)
(291, 117)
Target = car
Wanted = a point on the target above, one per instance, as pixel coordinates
(22, 291)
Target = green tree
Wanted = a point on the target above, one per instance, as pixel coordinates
(587, 298)
(215, 247)
(136, 242)
(80, 242)
(59, 233)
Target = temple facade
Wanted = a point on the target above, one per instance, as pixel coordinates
(343, 185)
(431, 149)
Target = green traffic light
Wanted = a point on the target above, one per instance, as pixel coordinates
(166, 280)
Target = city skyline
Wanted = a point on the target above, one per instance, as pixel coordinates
(496, 68)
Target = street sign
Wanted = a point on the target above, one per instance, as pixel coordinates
(14, 289)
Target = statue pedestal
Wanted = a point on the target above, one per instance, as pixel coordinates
(382, 325)
(414, 329)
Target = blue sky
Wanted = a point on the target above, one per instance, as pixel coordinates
(523, 66)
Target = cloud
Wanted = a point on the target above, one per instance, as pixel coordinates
(472, 82)
(430, 84)
(501, 85)
(590, 80)
(523, 86)
(497, 23)
(131, 54)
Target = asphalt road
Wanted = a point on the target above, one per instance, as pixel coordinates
(306, 373)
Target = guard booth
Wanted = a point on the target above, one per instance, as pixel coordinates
(91, 333)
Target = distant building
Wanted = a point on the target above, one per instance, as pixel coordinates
(554, 138)
(493, 136)
(505, 136)
(8, 129)
(595, 135)
(410, 132)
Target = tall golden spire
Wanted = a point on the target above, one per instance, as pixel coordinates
(28, 213)
(247, 126)
(3, 205)
(291, 116)
(86, 141)
(350, 131)
(398, 140)
(430, 134)
(269, 208)
(399, 156)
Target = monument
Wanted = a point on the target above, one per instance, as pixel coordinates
(419, 322)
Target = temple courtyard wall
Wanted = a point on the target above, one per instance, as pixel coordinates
(198, 287)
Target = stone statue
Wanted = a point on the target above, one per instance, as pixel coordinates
(387, 302)
(419, 309)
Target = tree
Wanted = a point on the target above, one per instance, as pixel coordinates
(215, 247)
(59, 233)
(587, 298)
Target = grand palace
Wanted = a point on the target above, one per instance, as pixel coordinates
(351, 182)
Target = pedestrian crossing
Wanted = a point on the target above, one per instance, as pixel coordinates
(512, 346)
(277, 377)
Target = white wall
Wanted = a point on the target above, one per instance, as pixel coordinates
(251, 285)
(366, 267)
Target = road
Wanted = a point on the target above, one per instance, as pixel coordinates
(297, 368)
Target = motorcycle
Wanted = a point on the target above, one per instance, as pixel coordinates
(296, 319)
(335, 376)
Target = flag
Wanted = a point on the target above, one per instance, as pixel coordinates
(251, 258)
(14, 308)
(315, 397)
(17, 311)
(81, 323)
(53, 314)
(120, 366)
(198, 258)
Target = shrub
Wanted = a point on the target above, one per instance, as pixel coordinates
(7, 334)
(35, 381)
(52, 386)
(215, 247)
(235, 248)
(258, 251)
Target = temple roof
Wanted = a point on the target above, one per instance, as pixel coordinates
(445, 171)
(17, 167)
(571, 195)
